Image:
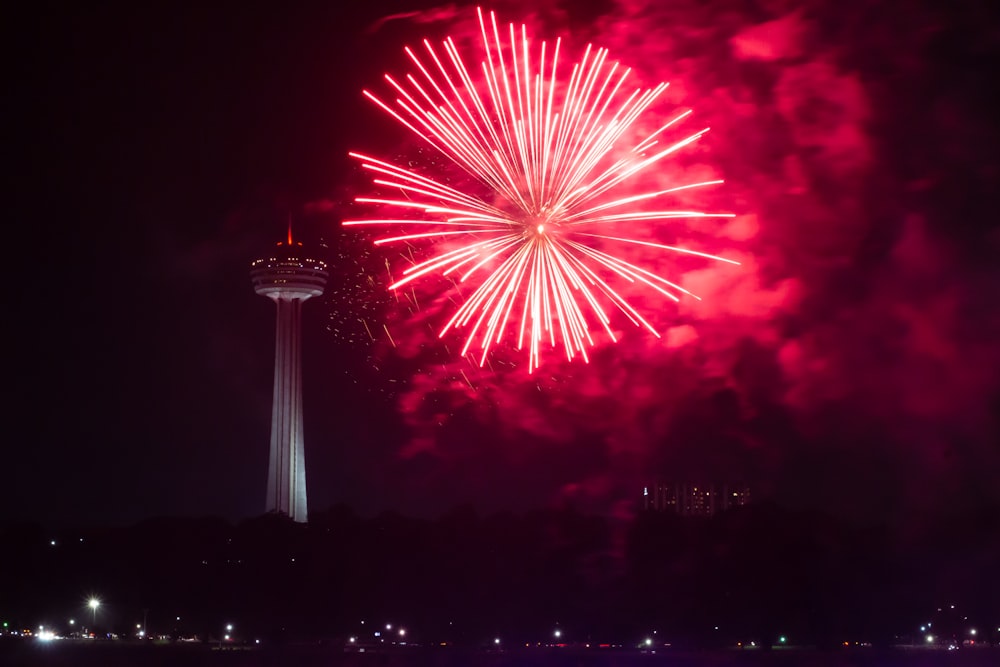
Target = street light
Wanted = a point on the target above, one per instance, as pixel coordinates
(93, 603)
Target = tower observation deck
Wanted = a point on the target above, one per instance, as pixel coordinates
(289, 275)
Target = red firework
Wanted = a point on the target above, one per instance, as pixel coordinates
(544, 148)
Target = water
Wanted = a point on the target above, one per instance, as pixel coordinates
(124, 654)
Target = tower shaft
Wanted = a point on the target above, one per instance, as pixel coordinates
(286, 472)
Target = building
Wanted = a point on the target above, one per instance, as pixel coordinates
(694, 498)
(288, 275)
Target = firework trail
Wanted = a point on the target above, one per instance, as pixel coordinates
(549, 150)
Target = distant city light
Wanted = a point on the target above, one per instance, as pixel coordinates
(557, 634)
(972, 631)
(352, 639)
(930, 638)
(781, 639)
(649, 642)
(496, 640)
(402, 632)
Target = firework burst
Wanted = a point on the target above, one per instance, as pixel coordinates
(555, 157)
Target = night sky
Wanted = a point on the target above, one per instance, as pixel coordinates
(851, 364)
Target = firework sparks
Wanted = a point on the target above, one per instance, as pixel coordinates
(549, 150)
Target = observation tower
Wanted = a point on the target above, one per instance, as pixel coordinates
(289, 275)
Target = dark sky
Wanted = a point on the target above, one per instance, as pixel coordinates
(851, 364)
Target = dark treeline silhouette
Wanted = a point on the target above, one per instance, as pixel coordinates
(754, 573)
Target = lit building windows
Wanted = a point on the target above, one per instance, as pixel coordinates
(694, 499)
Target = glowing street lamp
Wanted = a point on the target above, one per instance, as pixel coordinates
(93, 603)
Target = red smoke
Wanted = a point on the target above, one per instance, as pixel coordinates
(856, 345)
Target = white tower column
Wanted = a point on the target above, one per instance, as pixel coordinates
(286, 472)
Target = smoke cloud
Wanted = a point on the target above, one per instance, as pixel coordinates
(849, 362)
